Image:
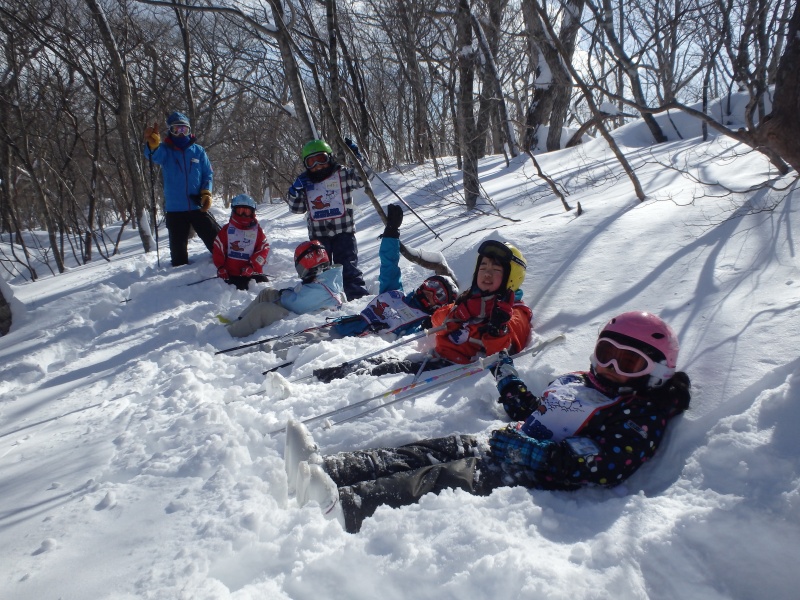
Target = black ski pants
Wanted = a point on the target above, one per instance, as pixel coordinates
(342, 250)
(178, 224)
(401, 476)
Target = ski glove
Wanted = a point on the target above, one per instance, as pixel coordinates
(151, 136)
(353, 147)
(514, 448)
(247, 271)
(501, 315)
(205, 200)
(222, 273)
(517, 400)
(394, 219)
(459, 336)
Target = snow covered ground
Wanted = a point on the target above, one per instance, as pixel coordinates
(136, 463)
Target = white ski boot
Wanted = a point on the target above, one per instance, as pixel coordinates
(300, 446)
(315, 485)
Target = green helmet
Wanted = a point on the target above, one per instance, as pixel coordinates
(315, 147)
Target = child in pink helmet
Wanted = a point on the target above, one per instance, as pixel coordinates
(588, 428)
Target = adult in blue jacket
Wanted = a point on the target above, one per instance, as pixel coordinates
(188, 179)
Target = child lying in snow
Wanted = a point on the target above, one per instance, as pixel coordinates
(487, 318)
(320, 287)
(587, 428)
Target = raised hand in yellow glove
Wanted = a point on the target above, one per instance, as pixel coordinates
(151, 136)
(205, 200)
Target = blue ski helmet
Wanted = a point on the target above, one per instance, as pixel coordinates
(177, 118)
(243, 200)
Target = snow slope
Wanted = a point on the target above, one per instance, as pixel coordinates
(136, 463)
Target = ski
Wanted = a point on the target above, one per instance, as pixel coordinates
(273, 339)
(403, 342)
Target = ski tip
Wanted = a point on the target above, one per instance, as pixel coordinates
(223, 320)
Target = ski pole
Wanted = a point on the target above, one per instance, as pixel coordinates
(276, 367)
(535, 350)
(201, 281)
(425, 332)
(483, 364)
(388, 187)
(393, 392)
(272, 339)
(468, 370)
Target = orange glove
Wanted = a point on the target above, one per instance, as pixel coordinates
(205, 200)
(151, 136)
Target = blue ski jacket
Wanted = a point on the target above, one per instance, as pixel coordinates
(185, 172)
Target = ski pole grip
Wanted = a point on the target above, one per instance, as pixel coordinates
(434, 329)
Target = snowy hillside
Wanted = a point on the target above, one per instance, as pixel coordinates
(136, 463)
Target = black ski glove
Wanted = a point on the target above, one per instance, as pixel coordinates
(394, 218)
(351, 144)
(501, 315)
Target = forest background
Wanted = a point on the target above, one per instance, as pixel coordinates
(408, 81)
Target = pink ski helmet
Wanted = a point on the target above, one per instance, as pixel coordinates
(649, 334)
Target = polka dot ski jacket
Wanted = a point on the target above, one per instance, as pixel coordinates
(626, 433)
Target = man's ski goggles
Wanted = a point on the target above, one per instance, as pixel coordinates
(320, 158)
(179, 129)
(243, 211)
(627, 360)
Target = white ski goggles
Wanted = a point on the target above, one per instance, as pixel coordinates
(627, 360)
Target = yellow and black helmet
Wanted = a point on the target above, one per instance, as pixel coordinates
(508, 255)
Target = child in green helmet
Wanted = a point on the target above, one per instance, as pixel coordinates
(324, 192)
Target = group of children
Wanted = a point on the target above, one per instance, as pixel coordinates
(594, 427)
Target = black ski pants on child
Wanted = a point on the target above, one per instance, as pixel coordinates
(401, 476)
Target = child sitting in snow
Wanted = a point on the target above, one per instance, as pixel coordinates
(391, 312)
(320, 287)
(587, 428)
(241, 248)
(487, 318)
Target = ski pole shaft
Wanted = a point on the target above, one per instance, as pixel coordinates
(276, 367)
(272, 339)
(393, 392)
(403, 342)
(484, 365)
(407, 205)
(426, 385)
(388, 187)
(201, 281)
(153, 207)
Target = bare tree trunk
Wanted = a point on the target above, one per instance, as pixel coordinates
(541, 107)
(605, 18)
(292, 72)
(497, 89)
(466, 103)
(129, 140)
(186, 71)
(781, 129)
(562, 91)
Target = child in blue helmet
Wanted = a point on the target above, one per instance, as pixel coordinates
(241, 248)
